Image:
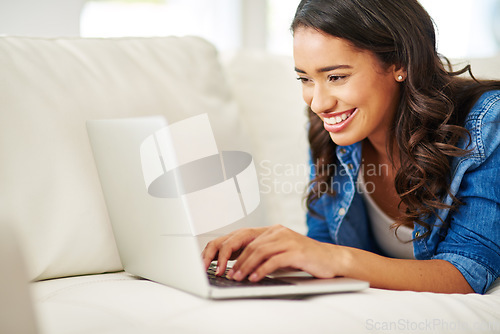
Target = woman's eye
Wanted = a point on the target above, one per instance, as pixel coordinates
(303, 80)
(336, 77)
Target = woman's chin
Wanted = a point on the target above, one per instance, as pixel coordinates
(344, 139)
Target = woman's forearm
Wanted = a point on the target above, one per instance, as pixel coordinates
(398, 274)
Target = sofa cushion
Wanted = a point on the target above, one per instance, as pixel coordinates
(270, 97)
(17, 314)
(49, 88)
(120, 303)
(483, 68)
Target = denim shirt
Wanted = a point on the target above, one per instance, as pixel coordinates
(470, 239)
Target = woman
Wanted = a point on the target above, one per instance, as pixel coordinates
(406, 166)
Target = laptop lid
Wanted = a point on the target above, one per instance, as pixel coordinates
(152, 234)
(167, 188)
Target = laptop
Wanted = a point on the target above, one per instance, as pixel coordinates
(167, 188)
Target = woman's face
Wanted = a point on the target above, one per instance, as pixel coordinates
(355, 97)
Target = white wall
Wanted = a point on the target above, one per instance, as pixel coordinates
(254, 24)
(243, 20)
(466, 28)
(48, 18)
(218, 21)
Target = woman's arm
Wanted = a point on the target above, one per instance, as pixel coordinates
(398, 274)
(279, 247)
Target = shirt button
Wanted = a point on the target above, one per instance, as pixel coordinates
(417, 234)
(341, 211)
(350, 166)
(343, 151)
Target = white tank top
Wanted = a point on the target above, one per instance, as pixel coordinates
(381, 227)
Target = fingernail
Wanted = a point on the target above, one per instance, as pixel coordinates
(238, 276)
(230, 274)
(253, 277)
(217, 270)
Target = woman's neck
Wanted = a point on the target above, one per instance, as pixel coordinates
(378, 151)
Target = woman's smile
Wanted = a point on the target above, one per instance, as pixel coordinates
(335, 122)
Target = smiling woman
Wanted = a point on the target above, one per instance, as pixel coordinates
(339, 80)
(379, 95)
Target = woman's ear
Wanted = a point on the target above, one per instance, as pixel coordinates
(400, 74)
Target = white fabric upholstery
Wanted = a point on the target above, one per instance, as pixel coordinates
(16, 306)
(120, 303)
(270, 97)
(484, 68)
(49, 88)
(50, 192)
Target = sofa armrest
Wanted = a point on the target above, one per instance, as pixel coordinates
(16, 308)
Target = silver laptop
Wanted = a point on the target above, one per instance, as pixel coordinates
(169, 190)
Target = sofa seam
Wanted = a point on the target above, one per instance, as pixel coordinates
(79, 285)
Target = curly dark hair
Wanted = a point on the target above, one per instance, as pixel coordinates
(433, 105)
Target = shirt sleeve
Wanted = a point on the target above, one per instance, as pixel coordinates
(472, 242)
(317, 226)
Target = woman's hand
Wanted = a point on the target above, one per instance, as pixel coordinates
(279, 247)
(228, 247)
(260, 251)
(266, 250)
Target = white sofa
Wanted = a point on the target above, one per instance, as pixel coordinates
(55, 231)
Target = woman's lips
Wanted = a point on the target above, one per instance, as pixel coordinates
(338, 121)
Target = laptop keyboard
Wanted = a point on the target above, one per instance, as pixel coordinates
(223, 282)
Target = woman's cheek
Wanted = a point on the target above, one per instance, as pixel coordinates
(306, 96)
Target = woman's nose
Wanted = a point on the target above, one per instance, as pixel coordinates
(322, 100)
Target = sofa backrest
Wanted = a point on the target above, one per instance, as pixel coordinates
(17, 313)
(270, 99)
(49, 88)
(49, 188)
(482, 68)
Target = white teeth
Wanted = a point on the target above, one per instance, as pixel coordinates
(331, 120)
(337, 119)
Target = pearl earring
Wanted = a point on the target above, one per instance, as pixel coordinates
(400, 78)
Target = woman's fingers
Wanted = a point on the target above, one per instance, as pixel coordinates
(264, 250)
(228, 250)
(227, 247)
(210, 251)
(256, 256)
(274, 263)
(274, 241)
(280, 247)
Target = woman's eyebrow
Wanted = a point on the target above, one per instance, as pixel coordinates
(325, 69)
